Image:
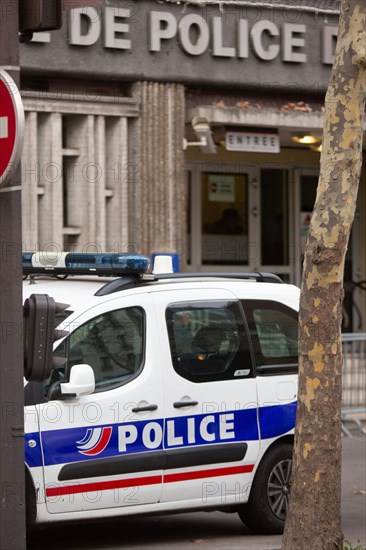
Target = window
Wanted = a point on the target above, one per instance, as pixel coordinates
(274, 333)
(208, 341)
(224, 200)
(112, 344)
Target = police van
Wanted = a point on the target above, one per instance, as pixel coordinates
(172, 392)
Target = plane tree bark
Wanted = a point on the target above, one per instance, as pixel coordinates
(314, 517)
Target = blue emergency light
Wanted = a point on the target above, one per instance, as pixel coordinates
(80, 263)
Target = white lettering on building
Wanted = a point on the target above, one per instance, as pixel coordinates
(85, 27)
(195, 35)
(113, 26)
(293, 41)
(257, 33)
(219, 49)
(188, 26)
(163, 26)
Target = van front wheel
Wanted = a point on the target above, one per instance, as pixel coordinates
(266, 510)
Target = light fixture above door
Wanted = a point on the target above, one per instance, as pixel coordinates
(306, 138)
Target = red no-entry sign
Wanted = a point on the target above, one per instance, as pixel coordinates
(11, 126)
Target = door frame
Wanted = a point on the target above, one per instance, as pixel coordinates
(252, 171)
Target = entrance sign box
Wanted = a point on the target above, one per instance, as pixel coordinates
(11, 126)
(255, 142)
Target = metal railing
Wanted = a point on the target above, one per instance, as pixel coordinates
(354, 384)
(354, 370)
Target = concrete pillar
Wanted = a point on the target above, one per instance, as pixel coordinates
(49, 191)
(119, 179)
(160, 221)
(30, 179)
(80, 182)
(99, 200)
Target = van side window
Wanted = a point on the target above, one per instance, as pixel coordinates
(208, 341)
(112, 344)
(274, 333)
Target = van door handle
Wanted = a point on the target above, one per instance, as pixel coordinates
(181, 404)
(144, 408)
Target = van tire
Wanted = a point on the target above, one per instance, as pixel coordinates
(265, 511)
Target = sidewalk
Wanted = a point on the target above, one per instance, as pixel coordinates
(353, 482)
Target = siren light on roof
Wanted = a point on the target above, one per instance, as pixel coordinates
(80, 263)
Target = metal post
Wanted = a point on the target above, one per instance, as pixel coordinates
(12, 482)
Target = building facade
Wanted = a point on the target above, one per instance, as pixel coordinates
(183, 128)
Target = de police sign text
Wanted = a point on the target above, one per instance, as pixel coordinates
(236, 46)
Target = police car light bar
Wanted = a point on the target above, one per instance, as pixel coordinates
(79, 263)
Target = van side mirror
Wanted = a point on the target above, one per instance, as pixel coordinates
(81, 382)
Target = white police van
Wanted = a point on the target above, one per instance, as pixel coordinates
(177, 393)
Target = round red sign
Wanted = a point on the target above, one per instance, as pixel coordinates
(11, 126)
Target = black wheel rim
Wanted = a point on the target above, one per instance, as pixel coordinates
(278, 489)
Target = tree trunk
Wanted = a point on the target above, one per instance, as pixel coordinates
(314, 518)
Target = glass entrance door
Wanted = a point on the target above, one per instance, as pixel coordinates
(274, 219)
(224, 219)
(240, 219)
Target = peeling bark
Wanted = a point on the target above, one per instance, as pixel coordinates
(314, 518)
